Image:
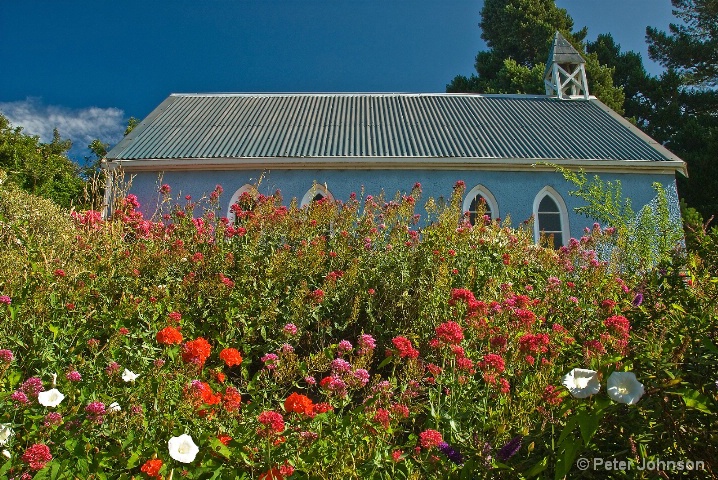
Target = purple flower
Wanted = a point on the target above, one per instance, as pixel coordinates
(638, 299)
(511, 448)
(451, 453)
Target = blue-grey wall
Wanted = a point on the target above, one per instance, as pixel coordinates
(514, 191)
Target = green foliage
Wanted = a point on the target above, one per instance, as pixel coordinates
(641, 241)
(131, 124)
(40, 168)
(92, 295)
(691, 48)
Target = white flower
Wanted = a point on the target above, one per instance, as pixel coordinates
(624, 388)
(182, 448)
(129, 376)
(5, 433)
(582, 383)
(6, 453)
(114, 407)
(50, 398)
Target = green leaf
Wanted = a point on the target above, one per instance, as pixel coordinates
(695, 399)
(219, 447)
(565, 462)
(133, 460)
(588, 422)
(538, 468)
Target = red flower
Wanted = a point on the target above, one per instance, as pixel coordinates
(225, 439)
(322, 407)
(405, 348)
(37, 456)
(272, 474)
(273, 420)
(450, 332)
(232, 399)
(175, 317)
(382, 416)
(298, 403)
(169, 336)
(196, 351)
(493, 362)
(430, 438)
(152, 467)
(231, 356)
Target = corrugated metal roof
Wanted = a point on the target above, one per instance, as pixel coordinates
(305, 126)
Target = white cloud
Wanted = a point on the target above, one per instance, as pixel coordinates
(81, 125)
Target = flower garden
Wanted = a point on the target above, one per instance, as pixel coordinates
(377, 338)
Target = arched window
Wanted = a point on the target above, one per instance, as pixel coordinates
(316, 193)
(246, 188)
(550, 217)
(476, 196)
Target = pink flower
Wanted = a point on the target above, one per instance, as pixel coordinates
(4, 299)
(6, 356)
(73, 376)
(32, 386)
(340, 365)
(290, 329)
(37, 456)
(345, 346)
(19, 397)
(362, 375)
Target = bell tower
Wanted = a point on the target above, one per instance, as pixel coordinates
(565, 75)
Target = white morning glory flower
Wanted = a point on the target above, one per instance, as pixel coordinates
(581, 382)
(5, 433)
(623, 387)
(129, 376)
(114, 407)
(182, 448)
(50, 398)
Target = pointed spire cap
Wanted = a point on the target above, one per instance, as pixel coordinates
(563, 52)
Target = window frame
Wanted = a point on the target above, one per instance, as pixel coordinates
(491, 202)
(562, 210)
(312, 192)
(246, 188)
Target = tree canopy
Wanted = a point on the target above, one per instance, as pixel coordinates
(40, 168)
(519, 34)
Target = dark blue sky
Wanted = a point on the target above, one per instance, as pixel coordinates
(86, 66)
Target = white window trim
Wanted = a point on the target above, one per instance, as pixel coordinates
(311, 193)
(246, 188)
(556, 197)
(488, 196)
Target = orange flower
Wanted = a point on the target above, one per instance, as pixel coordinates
(299, 404)
(231, 356)
(169, 336)
(196, 351)
(152, 467)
